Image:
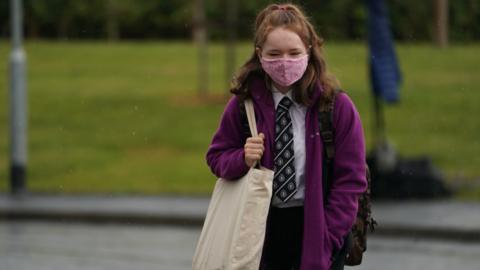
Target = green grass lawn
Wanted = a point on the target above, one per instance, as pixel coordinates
(125, 117)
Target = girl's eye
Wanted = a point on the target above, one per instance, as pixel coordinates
(273, 54)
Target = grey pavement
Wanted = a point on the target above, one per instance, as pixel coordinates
(448, 219)
(444, 219)
(74, 246)
(40, 245)
(106, 208)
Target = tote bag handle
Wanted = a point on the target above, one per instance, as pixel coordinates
(252, 123)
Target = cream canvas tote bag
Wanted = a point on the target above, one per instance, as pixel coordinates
(233, 234)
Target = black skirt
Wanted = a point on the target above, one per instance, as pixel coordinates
(283, 241)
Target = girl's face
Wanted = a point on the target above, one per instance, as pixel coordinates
(282, 43)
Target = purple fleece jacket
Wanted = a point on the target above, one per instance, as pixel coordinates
(324, 225)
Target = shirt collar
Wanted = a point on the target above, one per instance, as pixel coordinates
(277, 96)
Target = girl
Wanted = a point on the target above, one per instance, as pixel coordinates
(287, 80)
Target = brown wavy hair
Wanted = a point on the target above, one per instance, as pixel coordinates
(292, 18)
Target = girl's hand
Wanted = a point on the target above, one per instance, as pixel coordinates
(254, 149)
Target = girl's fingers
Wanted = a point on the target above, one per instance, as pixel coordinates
(254, 146)
(253, 156)
(255, 140)
(254, 151)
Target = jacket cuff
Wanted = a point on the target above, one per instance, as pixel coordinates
(238, 167)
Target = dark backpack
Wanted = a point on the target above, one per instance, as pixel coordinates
(355, 243)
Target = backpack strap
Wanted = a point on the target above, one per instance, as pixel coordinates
(327, 134)
(355, 242)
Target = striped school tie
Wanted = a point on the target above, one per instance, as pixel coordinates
(284, 185)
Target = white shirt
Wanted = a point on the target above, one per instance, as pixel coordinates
(297, 114)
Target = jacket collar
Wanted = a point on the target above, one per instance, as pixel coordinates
(260, 92)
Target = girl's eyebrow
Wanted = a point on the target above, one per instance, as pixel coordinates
(290, 50)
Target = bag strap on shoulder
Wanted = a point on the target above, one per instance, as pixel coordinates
(327, 134)
(252, 123)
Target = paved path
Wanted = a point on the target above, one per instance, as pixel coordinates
(63, 246)
(436, 219)
(446, 219)
(125, 209)
(75, 246)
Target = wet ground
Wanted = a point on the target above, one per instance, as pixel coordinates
(70, 246)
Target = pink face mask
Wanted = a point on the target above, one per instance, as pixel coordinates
(285, 71)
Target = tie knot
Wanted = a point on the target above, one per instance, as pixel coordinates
(285, 103)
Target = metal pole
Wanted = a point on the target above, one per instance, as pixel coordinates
(18, 100)
(200, 37)
(232, 11)
(441, 23)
